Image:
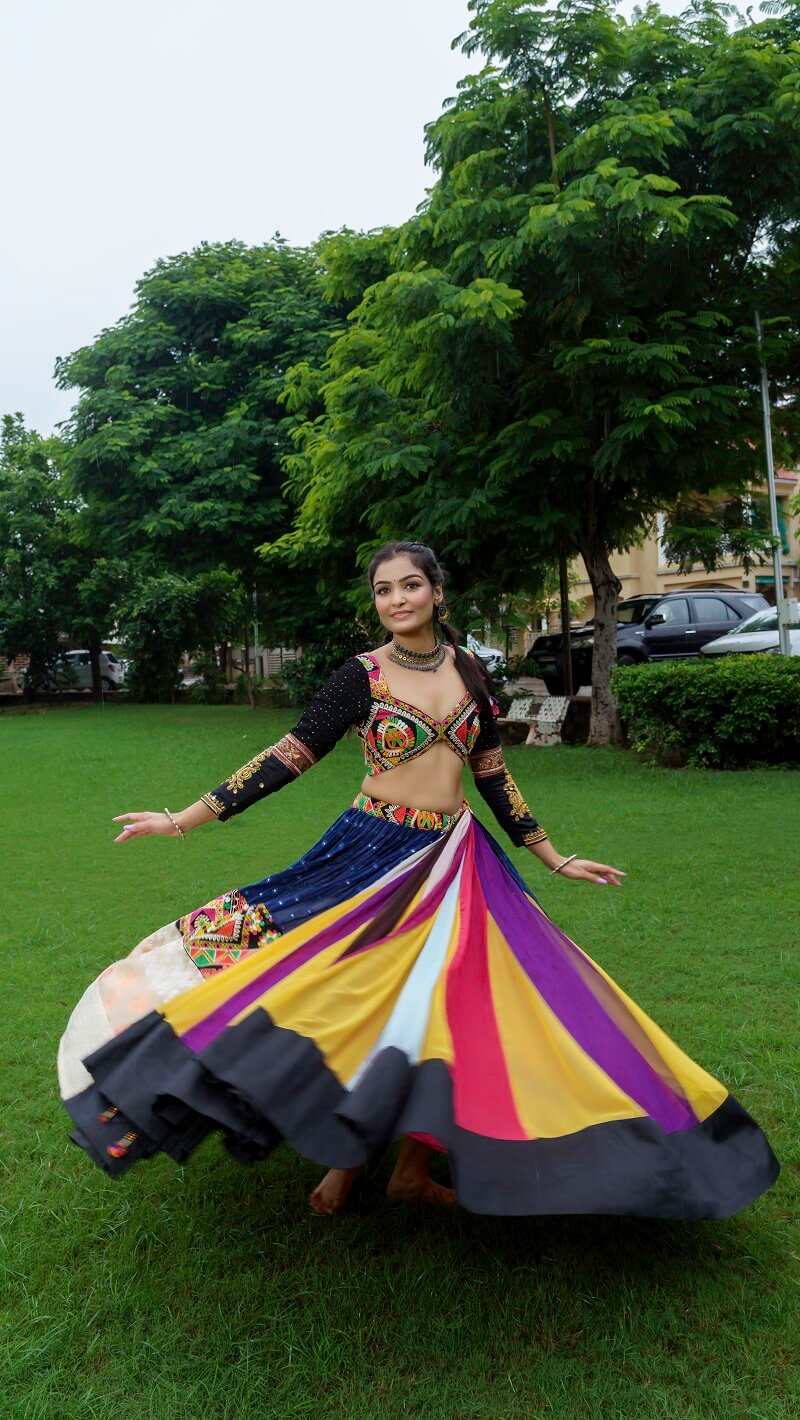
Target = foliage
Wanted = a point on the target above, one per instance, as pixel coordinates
(98, 594)
(703, 531)
(261, 691)
(321, 658)
(169, 615)
(53, 587)
(210, 688)
(558, 344)
(563, 344)
(175, 441)
(517, 666)
(37, 565)
(725, 712)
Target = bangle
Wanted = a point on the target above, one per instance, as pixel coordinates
(559, 866)
(175, 825)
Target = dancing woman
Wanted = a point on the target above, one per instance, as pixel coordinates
(400, 979)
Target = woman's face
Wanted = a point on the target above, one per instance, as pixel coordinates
(404, 598)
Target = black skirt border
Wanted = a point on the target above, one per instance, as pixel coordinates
(260, 1084)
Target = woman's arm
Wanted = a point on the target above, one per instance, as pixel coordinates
(497, 787)
(579, 869)
(143, 825)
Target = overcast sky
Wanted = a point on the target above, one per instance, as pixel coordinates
(135, 131)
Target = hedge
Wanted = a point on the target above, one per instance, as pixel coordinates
(729, 712)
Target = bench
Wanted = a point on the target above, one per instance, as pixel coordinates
(539, 717)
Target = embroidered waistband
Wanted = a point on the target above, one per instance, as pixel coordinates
(406, 817)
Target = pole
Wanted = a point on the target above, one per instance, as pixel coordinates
(255, 633)
(566, 639)
(784, 642)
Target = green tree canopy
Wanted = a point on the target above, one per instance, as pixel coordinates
(167, 615)
(175, 441)
(36, 575)
(53, 587)
(564, 342)
(703, 531)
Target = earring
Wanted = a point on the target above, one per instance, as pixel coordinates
(442, 612)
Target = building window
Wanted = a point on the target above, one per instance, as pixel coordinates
(661, 527)
(782, 528)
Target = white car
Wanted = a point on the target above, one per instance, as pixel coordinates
(74, 671)
(757, 633)
(493, 660)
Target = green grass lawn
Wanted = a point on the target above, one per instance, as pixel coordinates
(210, 1290)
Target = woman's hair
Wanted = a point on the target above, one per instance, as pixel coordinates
(424, 559)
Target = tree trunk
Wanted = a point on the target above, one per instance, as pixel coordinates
(604, 728)
(94, 657)
(551, 132)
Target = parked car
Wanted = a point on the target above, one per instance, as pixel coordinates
(74, 671)
(649, 628)
(493, 660)
(758, 633)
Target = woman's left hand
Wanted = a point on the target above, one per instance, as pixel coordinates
(584, 870)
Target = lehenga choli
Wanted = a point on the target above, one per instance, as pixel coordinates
(402, 979)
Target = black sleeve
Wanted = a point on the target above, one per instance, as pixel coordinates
(495, 785)
(344, 700)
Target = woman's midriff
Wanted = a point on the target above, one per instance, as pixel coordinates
(434, 781)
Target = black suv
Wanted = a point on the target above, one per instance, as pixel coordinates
(649, 628)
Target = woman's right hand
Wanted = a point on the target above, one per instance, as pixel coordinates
(142, 825)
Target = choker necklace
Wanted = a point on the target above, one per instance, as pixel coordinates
(417, 660)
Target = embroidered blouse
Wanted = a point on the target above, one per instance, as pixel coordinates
(395, 732)
(392, 732)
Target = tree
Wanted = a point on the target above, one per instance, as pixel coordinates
(174, 444)
(375, 457)
(704, 531)
(100, 585)
(52, 586)
(169, 615)
(564, 344)
(36, 575)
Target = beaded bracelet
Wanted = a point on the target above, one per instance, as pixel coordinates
(175, 824)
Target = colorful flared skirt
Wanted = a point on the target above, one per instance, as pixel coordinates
(401, 979)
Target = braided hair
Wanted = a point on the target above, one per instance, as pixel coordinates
(425, 560)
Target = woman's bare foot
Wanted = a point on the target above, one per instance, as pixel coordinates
(410, 1183)
(419, 1188)
(330, 1195)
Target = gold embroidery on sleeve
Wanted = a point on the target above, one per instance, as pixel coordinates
(487, 761)
(535, 836)
(213, 803)
(516, 803)
(290, 752)
(238, 780)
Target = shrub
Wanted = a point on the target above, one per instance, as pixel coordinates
(167, 615)
(522, 666)
(728, 712)
(321, 658)
(210, 689)
(265, 690)
(272, 692)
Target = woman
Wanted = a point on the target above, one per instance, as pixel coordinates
(401, 980)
